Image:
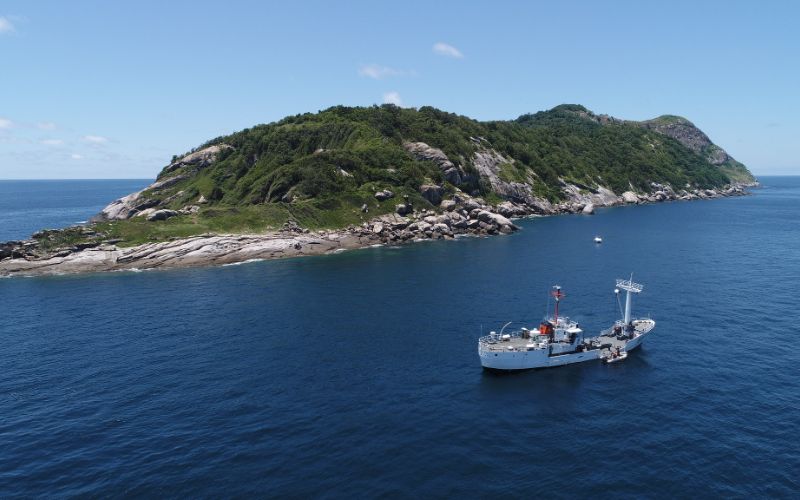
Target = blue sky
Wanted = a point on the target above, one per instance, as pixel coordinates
(94, 89)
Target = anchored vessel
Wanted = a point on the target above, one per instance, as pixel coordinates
(560, 341)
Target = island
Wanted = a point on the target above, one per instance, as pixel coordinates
(351, 177)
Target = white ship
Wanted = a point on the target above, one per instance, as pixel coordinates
(559, 341)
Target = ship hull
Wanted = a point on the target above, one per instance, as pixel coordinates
(647, 326)
(508, 361)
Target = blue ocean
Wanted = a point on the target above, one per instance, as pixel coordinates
(357, 374)
(28, 206)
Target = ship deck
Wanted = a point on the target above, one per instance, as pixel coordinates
(606, 338)
(614, 341)
(514, 343)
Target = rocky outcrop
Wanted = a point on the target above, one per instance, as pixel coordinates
(509, 209)
(489, 163)
(199, 159)
(9, 249)
(126, 207)
(452, 173)
(681, 130)
(384, 195)
(149, 197)
(599, 197)
(630, 197)
(685, 132)
(493, 218)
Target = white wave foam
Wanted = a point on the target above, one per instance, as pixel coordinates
(248, 261)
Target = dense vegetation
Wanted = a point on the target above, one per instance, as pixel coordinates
(340, 156)
(619, 155)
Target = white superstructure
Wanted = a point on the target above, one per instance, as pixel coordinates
(559, 341)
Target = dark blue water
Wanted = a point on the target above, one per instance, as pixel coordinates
(28, 206)
(357, 374)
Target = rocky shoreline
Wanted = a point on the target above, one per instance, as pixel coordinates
(460, 215)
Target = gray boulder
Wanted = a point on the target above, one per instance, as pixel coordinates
(145, 213)
(492, 218)
(432, 193)
(471, 204)
(448, 205)
(384, 195)
(421, 226)
(630, 197)
(190, 209)
(506, 208)
(509, 209)
(162, 214)
(588, 209)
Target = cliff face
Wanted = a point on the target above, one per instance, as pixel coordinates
(340, 159)
(695, 139)
(687, 134)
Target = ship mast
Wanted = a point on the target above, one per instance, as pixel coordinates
(558, 295)
(630, 287)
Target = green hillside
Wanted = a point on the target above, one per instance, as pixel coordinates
(347, 153)
(321, 168)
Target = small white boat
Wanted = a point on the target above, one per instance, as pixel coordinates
(598, 239)
(614, 357)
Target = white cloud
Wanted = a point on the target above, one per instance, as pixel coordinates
(444, 49)
(52, 142)
(5, 26)
(76, 156)
(46, 126)
(6, 123)
(377, 71)
(95, 139)
(392, 98)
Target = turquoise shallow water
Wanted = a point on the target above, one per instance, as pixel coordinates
(358, 374)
